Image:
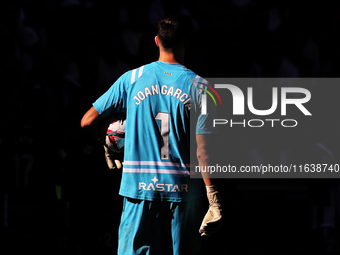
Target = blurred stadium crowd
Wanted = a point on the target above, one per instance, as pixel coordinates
(58, 56)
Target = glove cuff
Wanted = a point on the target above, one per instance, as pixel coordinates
(213, 195)
(212, 189)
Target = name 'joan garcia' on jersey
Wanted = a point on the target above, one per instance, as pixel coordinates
(164, 90)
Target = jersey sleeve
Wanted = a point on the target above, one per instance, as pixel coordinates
(204, 122)
(113, 101)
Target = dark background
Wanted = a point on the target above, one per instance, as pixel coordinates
(57, 57)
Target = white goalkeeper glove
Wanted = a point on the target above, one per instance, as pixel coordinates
(113, 160)
(213, 218)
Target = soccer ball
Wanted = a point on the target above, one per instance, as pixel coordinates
(115, 135)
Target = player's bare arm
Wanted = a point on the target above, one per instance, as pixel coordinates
(203, 144)
(213, 218)
(90, 122)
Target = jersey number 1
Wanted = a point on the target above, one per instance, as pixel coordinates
(164, 118)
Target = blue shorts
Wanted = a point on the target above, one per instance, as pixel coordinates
(158, 227)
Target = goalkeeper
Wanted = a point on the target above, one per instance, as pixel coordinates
(161, 202)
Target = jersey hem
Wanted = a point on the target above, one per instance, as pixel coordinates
(165, 199)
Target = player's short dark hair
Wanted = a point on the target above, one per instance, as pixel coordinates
(174, 31)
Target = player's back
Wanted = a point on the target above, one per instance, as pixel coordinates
(157, 146)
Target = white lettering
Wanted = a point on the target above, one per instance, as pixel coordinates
(163, 187)
(257, 120)
(219, 121)
(151, 187)
(160, 186)
(238, 97)
(262, 112)
(297, 101)
(171, 91)
(175, 188)
(238, 100)
(183, 95)
(187, 100)
(168, 185)
(147, 92)
(243, 123)
(141, 95)
(184, 187)
(256, 123)
(282, 123)
(142, 185)
(164, 89)
(272, 120)
(138, 101)
(177, 93)
(154, 89)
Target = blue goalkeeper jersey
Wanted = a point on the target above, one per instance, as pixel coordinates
(157, 99)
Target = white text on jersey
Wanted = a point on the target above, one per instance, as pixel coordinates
(162, 186)
(165, 90)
